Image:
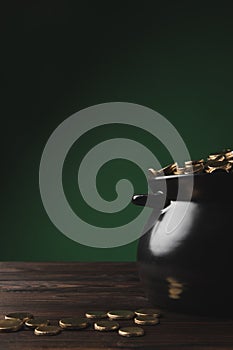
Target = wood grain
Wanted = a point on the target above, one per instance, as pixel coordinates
(56, 290)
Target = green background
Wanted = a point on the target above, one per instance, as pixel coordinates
(60, 57)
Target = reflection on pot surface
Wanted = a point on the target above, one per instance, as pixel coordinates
(166, 234)
(175, 288)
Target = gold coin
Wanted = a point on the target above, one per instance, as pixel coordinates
(106, 326)
(209, 170)
(168, 170)
(227, 166)
(47, 330)
(37, 322)
(213, 156)
(148, 312)
(194, 169)
(217, 157)
(96, 314)
(23, 316)
(152, 172)
(120, 314)
(228, 153)
(10, 325)
(74, 323)
(146, 320)
(131, 331)
(212, 166)
(193, 162)
(217, 170)
(179, 171)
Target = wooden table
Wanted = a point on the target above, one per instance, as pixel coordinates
(56, 290)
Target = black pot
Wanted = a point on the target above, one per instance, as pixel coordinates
(186, 265)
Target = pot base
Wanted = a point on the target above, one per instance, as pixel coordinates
(188, 296)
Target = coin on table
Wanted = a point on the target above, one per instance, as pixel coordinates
(96, 314)
(23, 316)
(148, 312)
(131, 331)
(106, 326)
(120, 314)
(74, 323)
(146, 320)
(47, 330)
(10, 325)
(36, 322)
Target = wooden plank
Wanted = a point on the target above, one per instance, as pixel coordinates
(56, 290)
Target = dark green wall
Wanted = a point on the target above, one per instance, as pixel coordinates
(60, 57)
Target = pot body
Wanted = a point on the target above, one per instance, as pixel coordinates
(186, 260)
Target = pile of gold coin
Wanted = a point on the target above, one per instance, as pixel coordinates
(216, 162)
(102, 321)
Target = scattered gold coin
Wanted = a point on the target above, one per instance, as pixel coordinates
(14, 321)
(148, 312)
(47, 330)
(37, 322)
(96, 314)
(74, 323)
(106, 326)
(10, 325)
(146, 320)
(23, 316)
(131, 331)
(120, 314)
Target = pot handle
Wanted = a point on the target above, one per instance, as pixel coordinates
(149, 200)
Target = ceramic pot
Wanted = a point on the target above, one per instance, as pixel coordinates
(186, 258)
